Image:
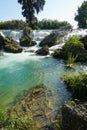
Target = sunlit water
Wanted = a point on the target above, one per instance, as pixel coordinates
(19, 72)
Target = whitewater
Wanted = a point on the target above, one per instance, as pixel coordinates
(39, 35)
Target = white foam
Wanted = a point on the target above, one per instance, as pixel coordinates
(78, 32)
(16, 35)
(2, 34)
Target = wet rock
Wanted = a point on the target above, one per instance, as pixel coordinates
(37, 105)
(12, 48)
(9, 45)
(52, 39)
(27, 41)
(74, 117)
(43, 51)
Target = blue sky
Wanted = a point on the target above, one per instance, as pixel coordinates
(62, 10)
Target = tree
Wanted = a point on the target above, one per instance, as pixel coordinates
(30, 7)
(81, 16)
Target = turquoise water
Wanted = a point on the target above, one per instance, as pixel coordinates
(21, 72)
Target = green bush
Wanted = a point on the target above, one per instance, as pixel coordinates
(77, 84)
(72, 46)
(13, 24)
(71, 60)
(17, 123)
(72, 43)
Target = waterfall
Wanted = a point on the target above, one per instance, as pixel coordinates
(16, 35)
(38, 35)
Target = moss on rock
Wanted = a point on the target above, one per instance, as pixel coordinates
(9, 45)
(43, 51)
(27, 41)
(52, 39)
(12, 48)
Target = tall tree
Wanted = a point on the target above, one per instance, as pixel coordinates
(81, 16)
(30, 7)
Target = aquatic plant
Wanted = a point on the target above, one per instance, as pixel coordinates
(71, 60)
(77, 84)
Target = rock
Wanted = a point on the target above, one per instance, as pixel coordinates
(74, 117)
(52, 39)
(12, 48)
(9, 45)
(2, 41)
(43, 51)
(27, 41)
(37, 104)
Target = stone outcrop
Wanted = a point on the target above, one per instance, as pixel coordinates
(27, 41)
(37, 104)
(52, 39)
(12, 48)
(74, 117)
(43, 51)
(9, 45)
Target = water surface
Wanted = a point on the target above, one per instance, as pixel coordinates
(19, 72)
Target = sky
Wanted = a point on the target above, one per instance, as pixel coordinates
(61, 10)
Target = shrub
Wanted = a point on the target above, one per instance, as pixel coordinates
(77, 84)
(17, 123)
(71, 60)
(72, 46)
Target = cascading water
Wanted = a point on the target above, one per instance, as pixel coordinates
(16, 35)
(38, 35)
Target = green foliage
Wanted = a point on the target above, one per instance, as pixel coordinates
(72, 46)
(53, 24)
(77, 84)
(71, 60)
(81, 16)
(58, 126)
(72, 43)
(29, 8)
(43, 24)
(70, 102)
(26, 30)
(14, 24)
(17, 123)
(84, 41)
